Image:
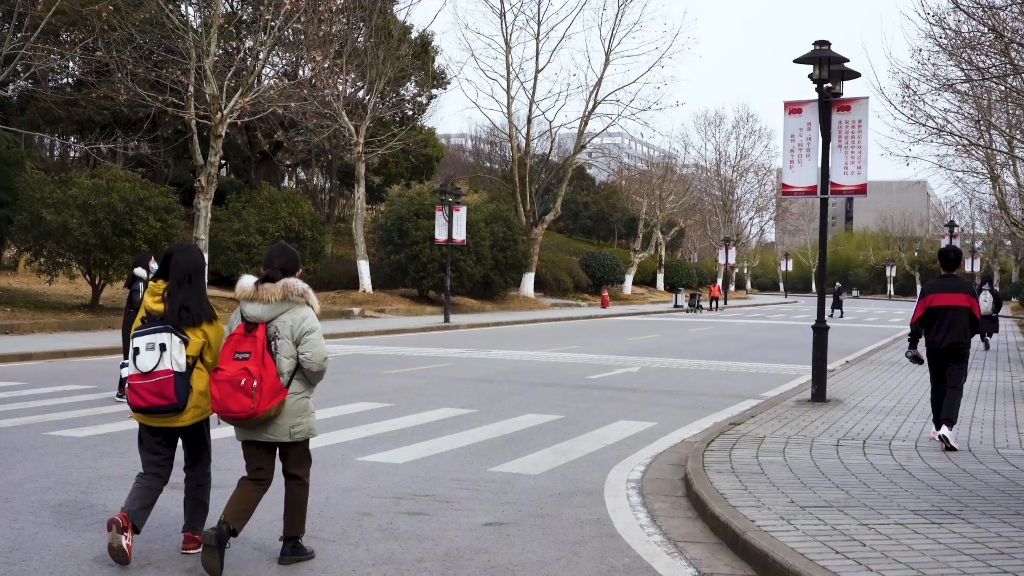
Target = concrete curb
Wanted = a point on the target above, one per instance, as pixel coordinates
(764, 553)
(11, 357)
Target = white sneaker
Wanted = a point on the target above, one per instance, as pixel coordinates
(934, 434)
(948, 440)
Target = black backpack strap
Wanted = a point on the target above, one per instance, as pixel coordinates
(294, 372)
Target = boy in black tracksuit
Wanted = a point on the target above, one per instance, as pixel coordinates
(948, 315)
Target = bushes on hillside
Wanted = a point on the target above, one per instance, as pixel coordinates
(92, 223)
(1014, 291)
(560, 274)
(602, 269)
(679, 274)
(250, 222)
(491, 261)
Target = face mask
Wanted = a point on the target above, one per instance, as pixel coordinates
(153, 268)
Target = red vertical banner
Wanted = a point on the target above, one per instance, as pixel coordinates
(848, 173)
(800, 148)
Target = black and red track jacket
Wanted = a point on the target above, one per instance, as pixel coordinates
(947, 314)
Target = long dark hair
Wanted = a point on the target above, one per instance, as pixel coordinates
(280, 261)
(163, 272)
(186, 303)
(987, 279)
(141, 261)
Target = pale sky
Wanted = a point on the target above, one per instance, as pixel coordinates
(743, 53)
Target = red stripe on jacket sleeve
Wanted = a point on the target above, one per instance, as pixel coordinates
(946, 299)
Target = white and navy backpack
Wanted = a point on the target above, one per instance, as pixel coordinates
(986, 303)
(159, 376)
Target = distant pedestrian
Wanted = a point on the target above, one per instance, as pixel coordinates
(714, 293)
(989, 303)
(289, 308)
(948, 316)
(143, 267)
(176, 296)
(838, 295)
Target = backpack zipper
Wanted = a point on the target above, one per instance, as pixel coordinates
(253, 405)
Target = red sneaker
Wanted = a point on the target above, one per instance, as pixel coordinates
(119, 539)
(191, 543)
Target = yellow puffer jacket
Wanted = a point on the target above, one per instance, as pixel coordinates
(203, 342)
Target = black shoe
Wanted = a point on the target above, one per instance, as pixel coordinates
(294, 551)
(215, 541)
(120, 396)
(987, 344)
(830, 315)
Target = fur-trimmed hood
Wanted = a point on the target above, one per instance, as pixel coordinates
(264, 302)
(141, 274)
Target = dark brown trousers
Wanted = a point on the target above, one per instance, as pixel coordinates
(296, 462)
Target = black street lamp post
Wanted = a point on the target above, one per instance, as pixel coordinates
(951, 226)
(974, 266)
(449, 198)
(828, 73)
(725, 272)
(785, 266)
(890, 264)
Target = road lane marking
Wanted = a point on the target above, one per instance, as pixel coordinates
(33, 391)
(624, 500)
(560, 349)
(754, 315)
(896, 320)
(570, 450)
(744, 321)
(870, 319)
(802, 316)
(699, 329)
(641, 337)
(3, 384)
(357, 432)
(459, 439)
(417, 368)
(614, 372)
(55, 401)
(218, 431)
(62, 415)
(620, 361)
(776, 316)
(91, 358)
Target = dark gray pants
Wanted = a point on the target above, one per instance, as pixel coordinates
(157, 446)
(947, 368)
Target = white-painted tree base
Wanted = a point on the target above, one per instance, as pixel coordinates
(627, 284)
(363, 267)
(526, 286)
(782, 287)
(660, 282)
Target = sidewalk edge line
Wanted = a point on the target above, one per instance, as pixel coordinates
(37, 356)
(764, 553)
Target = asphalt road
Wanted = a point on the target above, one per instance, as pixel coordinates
(472, 452)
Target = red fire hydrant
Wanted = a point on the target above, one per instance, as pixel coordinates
(605, 301)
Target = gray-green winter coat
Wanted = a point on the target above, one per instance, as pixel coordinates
(289, 308)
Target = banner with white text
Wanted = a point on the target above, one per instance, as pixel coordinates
(848, 172)
(800, 148)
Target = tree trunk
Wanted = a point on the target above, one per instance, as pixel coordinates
(721, 274)
(535, 236)
(917, 281)
(332, 203)
(358, 222)
(660, 282)
(1015, 271)
(627, 283)
(97, 291)
(206, 186)
(814, 288)
(746, 276)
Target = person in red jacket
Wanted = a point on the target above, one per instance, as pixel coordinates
(714, 293)
(948, 316)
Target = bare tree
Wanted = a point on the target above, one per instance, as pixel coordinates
(957, 101)
(734, 162)
(376, 79)
(552, 77)
(801, 224)
(211, 64)
(21, 24)
(657, 194)
(906, 237)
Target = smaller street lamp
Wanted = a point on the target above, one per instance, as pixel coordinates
(785, 268)
(449, 197)
(974, 264)
(725, 272)
(951, 227)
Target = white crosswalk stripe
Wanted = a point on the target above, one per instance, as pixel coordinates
(570, 450)
(776, 316)
(55, 401)
(460, 439)
(357, 432)
(624, 361)
(62, 415)
(4, 384)
(35, 391)
(870, 319)
(223, 431)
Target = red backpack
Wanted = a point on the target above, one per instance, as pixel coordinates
(245, 390)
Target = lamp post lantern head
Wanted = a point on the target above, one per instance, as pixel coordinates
(951, 226)
(839, 73)
(786, 255)
(442, 193)
(456, 195)
(821, 59)
(446, 194)
(727, 240)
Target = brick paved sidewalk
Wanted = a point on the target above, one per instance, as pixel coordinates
(858, 487)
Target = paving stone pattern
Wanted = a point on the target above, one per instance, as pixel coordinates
(858, 486)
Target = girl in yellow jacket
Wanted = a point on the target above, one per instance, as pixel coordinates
(178, 293)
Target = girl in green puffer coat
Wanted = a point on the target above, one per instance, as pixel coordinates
(289, 308)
